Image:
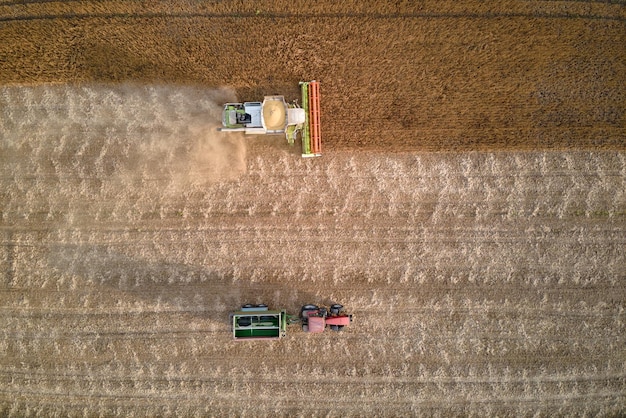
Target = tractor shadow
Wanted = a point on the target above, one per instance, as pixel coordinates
(195, 291)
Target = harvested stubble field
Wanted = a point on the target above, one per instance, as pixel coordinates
(470, 209)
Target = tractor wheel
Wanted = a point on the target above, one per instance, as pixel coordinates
(309, 307)
(247, 305)
(305, 328)
(334, 327)
(335, 309)
(262, 305)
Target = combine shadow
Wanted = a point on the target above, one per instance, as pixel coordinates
(290, 89)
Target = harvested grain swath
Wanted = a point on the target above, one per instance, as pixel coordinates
(481, 283)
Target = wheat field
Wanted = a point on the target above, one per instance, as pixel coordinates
(469, 208)
(482, 283)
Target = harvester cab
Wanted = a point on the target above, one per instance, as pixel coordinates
(275, 116)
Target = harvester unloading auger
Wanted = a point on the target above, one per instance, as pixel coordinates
(275, 116)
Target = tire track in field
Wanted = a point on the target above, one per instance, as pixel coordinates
(285, 16)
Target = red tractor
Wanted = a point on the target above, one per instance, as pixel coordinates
(315, 318)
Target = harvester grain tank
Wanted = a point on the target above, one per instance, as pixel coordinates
(275, 116)
(258, 322)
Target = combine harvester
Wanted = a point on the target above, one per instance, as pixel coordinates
(275, 116)
(258, 322)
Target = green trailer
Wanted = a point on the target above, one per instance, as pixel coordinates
(254, 322)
